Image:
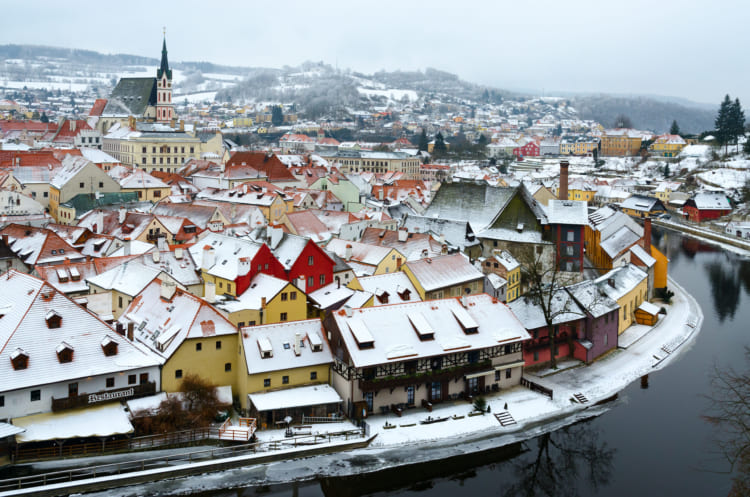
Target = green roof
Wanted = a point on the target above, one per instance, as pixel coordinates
(85, 202)
(131, 97)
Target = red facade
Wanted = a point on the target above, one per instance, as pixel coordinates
(531, 149)
(537, 350)
(263, 262)
(315, 265)
(697, 215)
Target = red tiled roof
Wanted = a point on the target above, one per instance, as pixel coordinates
(98, 107)
(270, 165)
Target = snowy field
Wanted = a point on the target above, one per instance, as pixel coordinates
(724, 178)
(392, 94)
(535, 414)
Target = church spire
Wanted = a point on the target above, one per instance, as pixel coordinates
(164, 68)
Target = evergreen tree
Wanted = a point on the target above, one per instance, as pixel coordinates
(277, 115)
(439, 149)
(722, 123)
(423, 141)
(44, 118)
(674, 129)
(666, 170)
(737, 120)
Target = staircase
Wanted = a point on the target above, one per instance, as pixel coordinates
(505, 418)
(580, 398)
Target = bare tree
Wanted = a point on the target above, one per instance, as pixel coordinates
(730, 412)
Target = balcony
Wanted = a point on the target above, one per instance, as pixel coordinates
(85, 399)
(422, 377)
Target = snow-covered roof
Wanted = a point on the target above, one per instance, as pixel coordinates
(99, 421)
(567, 212)
(125, 278)
(563, 309)
(641, 254)
(711, 201)
(395, 285)
(393, 337)
(289, 398)
(648, 307)
(8, 430)
(162, 325)
(620, 241)
(620, 280)
(71, 166)
(26, 302)
(591, 298)
(271, 347)
(261, 286)
(444, 271)
(227, 252)
(363, 253)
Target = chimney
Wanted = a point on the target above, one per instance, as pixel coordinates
(168, 289)
(131, 326)
(72, 124)
(302, 283)
(403, 234)
(99, 226)
(155, 255)
(5, 239)
(297, 344)
(348, 252)
(646, 240)
(178, 253)
(121, 215)
(380, 193)
(209, 292)
(263, 302)
(119, 328)
(464, 301)
(182, 125)
(126, 246)
(444, 249)
(562, 192)
(209, 257)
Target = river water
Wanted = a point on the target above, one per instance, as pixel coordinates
(652, 442)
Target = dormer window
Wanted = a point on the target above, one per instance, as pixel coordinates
(19, 359)
(382, 296)
(266, 350)
(109, 346)
(64, 353)
(53, 319)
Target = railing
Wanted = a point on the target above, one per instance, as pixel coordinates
(334, 418)
(242, 432)
(85, 399)
(536, 387)
(436, 375)
(175, 459)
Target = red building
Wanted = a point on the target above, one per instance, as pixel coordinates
(531, 149)
(263, 261)
(705, 206)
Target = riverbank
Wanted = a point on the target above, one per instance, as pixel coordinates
(647, 351)
(697, 231)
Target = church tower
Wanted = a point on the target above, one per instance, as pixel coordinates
(164, 107)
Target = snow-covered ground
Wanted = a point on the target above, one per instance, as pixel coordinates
(392, 94)
(724, 178)
(647, 350)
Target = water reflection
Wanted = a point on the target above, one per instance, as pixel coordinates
(559, 462)
(725, 288)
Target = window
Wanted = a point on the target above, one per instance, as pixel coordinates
(227, 366)
(101, 184)
(131, 379)
(284, 296)
(143, 379)
(368, 401)
(285, 380)
(536, 355)
(36, 395)
(2, 400)
(310, 261)
(178, 373)
(198, 347)
(497, 375)
(410, 394)
(283, 316)
(218, 344)
(110, 382)
(80, 185)
(473, 356)
(322, 279)
(508, 373)
(119, 302)
(292, 295)
(313, 375)
(267, 382)
(310, 281)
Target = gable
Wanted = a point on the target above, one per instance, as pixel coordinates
(515, 213)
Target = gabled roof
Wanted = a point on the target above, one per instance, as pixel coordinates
(39, 245)
(573, 212)
(262, 286)
(141, 179)
(709, 201)
(68, 278)
(444, 271)
(397, 285)
(71, 166)
(131, 97)
(642, 203)
(394, 339)
(307, 224)
(280, 339)
(477, 204)
(26, 301)
(456, 233)
(592, 299)
(163, 325)
(128, 278)
(414, 246)
(620, 280)
(563, 309)
(363, 253)
(270, 165)
(228, 250)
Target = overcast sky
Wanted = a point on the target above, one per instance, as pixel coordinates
(695, 50)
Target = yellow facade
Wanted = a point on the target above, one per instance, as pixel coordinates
(216, 359)
(629, 303)
(151, 194)
(513, 289)
(576, 194)
(390, 263)
(667, 146)
(289, 304)
(620, 145)
(475, 287)
(54, 202)
(222, 285)
(660, 268)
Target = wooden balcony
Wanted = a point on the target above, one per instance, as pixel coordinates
(424, 377)
(85, 399)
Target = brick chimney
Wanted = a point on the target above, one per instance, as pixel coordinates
(562, 192)
(646, 240)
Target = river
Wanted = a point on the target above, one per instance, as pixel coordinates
(652, 442)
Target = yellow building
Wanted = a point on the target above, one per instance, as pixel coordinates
(628, 286)
(581, 190)
(267, 300)
(621, 142)
(365, 259)
(186, 333)
(667, 145)
(503, 264)
(444, 276)
(145, 186)
(286, 357)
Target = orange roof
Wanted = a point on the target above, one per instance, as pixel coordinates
(98, 107)
(270, 165)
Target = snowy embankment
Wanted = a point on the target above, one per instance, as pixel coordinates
(644, 351)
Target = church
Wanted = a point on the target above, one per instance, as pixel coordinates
(145, 99)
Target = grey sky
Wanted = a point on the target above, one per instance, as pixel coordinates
(689, 49)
